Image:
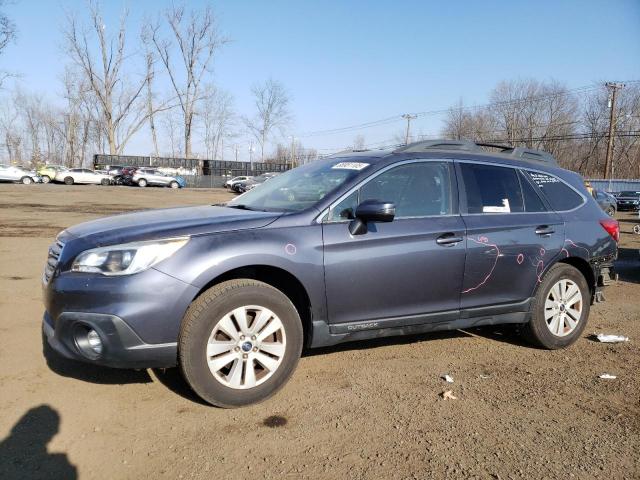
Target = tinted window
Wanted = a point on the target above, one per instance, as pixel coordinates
(559, 194)
(417, 190)
(491, 189)
(532, 201)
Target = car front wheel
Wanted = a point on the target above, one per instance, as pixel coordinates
(610, 211)
(46, 179)
(239, 343)
(561, 308)
(174, 184)
(26, 180)
(68, 180)
(142, 182)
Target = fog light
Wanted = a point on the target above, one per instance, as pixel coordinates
(94, 341)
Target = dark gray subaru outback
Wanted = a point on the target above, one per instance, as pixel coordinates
(432, 236)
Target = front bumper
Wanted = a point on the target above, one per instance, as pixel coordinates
(121, 346)
(137, 317)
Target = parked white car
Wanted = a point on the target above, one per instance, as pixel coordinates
(230, 183)
(9, 173)
(83, 175)
(151, 176)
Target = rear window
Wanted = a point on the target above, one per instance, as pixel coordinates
(560, 196)
(491, 189)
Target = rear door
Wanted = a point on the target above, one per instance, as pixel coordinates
(401, 272)
(512, 236)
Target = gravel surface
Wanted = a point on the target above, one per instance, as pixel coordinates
(363, 410)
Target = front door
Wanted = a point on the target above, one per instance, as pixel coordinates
(512, 236)
(404, 272)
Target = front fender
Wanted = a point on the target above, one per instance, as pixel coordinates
(295, 249)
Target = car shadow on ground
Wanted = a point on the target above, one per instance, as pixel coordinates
(90, 373)
(172, 379)
(24, 455)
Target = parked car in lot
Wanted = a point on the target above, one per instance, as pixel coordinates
(435, 235)
(10, 173)
(628, 200)
(152, 177)
(607, 201)
(251, 183)
(48, 172)
(83, 176)
(231, 182)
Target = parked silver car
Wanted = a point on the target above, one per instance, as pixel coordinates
(149, 176)
(235, 180)
(10, 173)
(83, 175)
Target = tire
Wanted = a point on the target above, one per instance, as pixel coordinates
(174, 184)
(68, 180)
(539, 330)
(105, 181)
(202, 321)
(142, 183)
(26, 180)
(610, 211)
(46, 179)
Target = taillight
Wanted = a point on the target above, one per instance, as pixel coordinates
(612, 227)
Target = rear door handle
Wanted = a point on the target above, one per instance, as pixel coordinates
(544, 230)
(448, 239)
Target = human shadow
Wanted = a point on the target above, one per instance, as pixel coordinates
(24, 455)
(90, 373)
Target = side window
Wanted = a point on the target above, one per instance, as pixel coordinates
(491, 189)
(532, 201)
(417, 189)
(560, 196)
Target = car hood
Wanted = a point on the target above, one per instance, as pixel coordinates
(166, 223)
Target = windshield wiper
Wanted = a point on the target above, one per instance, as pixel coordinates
(240, 206)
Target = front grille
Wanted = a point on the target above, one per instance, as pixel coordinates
(52, 260)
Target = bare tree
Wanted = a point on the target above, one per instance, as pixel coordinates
(358, 142)
(218, 120)
(122, 110)
(272, 111)
(8, 34)
(197, 39)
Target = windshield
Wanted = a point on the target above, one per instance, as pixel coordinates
(629, 193)
(300, 188)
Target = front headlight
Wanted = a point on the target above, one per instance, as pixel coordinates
(128, 258)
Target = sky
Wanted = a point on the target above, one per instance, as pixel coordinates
(346, 63)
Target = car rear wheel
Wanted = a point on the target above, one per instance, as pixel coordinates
(68, 180)
(561, 308)
(104, 181)
(142, 182)
(174, 184)
(26, 180)
(239, 343)
(46, 179)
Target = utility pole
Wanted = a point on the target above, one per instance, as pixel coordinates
(613, 87)
(293, 150)
(408, 117)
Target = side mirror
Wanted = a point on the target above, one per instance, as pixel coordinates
(371, 211)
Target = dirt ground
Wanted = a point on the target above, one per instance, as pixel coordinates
(363, 410)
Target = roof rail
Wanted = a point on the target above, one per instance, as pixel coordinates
(523, 153)
(530, 154)
(438, 145)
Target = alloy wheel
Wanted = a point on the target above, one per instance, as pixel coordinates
(246, 347)
(563, 307)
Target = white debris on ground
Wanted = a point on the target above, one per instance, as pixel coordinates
(447, 378)
(604, 338)
(607, 376)
(448, 395)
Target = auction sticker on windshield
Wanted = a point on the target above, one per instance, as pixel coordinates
(351, 165)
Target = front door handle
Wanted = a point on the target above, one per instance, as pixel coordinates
(448, 239)
(544, 230)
